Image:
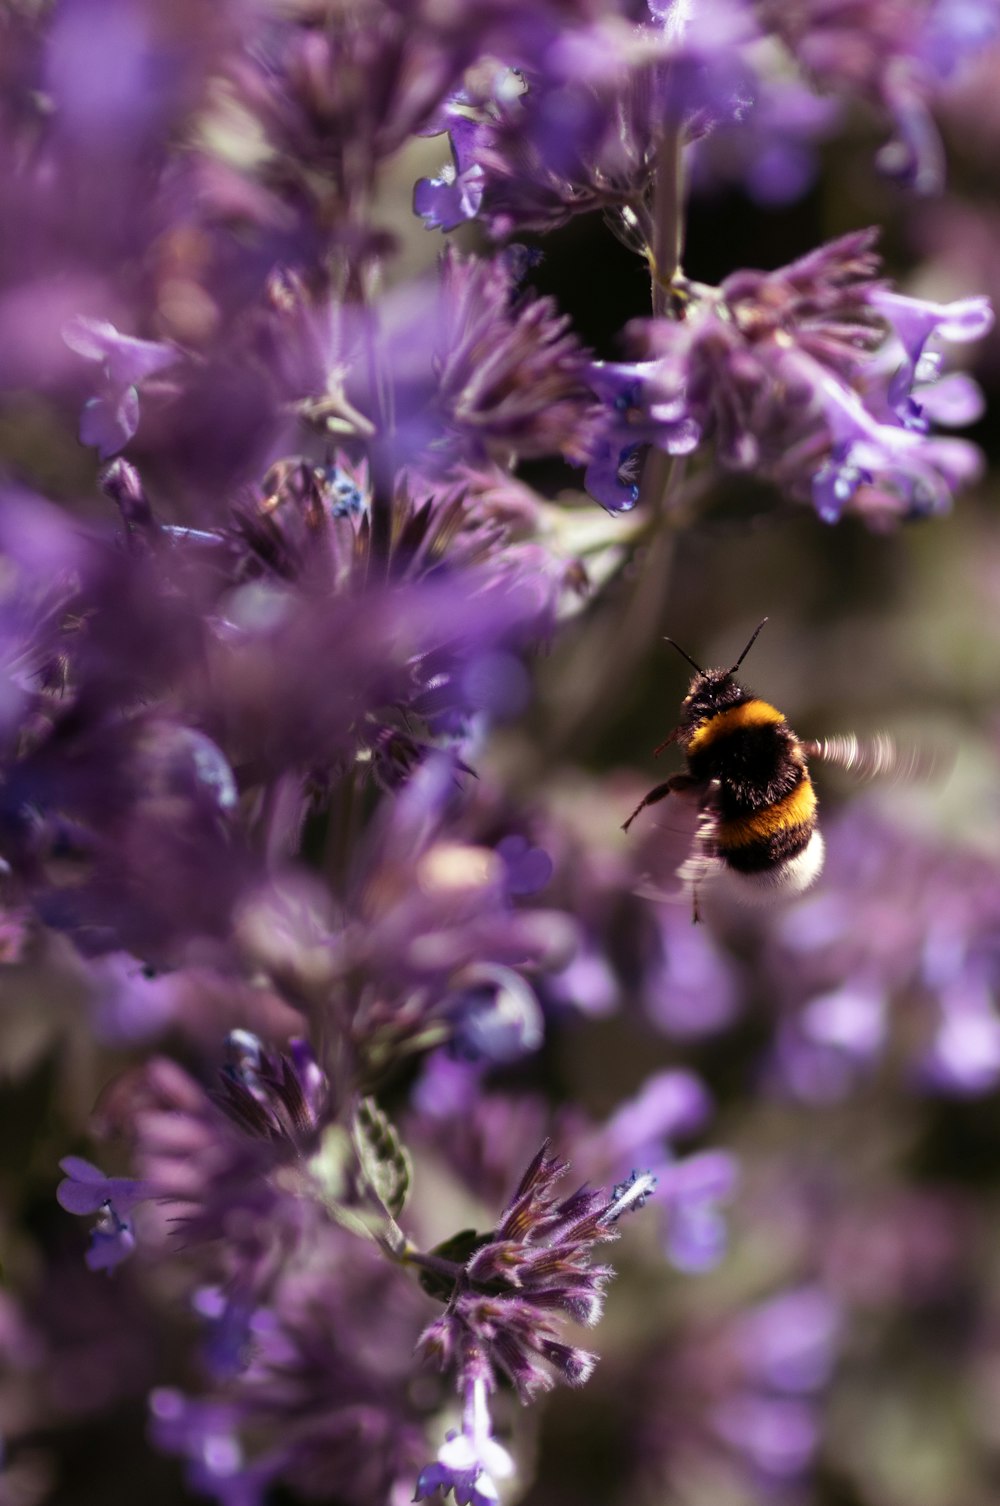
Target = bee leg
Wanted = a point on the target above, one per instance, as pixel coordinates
(659, 792)
(666, 742)
(677, 784)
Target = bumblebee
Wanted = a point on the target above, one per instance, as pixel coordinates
(747, 773)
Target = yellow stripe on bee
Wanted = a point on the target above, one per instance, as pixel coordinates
(751, 714)
(795, 809)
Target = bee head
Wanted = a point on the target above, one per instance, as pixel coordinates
(712, 690)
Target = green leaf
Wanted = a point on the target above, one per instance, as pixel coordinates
(459, 1248)
(385, 1161)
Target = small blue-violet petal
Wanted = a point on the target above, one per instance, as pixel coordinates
(610, 477)
(127, 361)
(108, 423)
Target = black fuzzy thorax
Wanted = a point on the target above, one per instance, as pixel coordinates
(754, 766)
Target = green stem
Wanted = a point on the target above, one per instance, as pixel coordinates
(668, 217)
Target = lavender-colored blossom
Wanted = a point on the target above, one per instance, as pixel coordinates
(535, 1263)
(86, 1190)
(506, 377)
(772, 151)
(638, 414)
(456, 194)
(468, 1463)
(692, 1189)
(785, 1350)
(205, 1435)
(497, 1016)
(692, 987)
(927, 955)
(578, 127)
(324, 1388)
(893, 56)
(784, 373)
(110, 419)
(229, 1169)
(430, 926)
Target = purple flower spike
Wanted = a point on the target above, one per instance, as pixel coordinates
(87, 1190)
(789, 1343)
(111, 418)
(532, 1268)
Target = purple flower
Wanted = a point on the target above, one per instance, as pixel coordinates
(205, 1434)
(512, 378)
(457, 193)
(785, 374)
(785, 1350)
(110, 419)
(772, 151)
(894, 56)
(231, 1167)
(496, 1015)
(925, 952)
(789, 1343)
(86, 1190)
(533, 1265)
(578, 126)
(691, 1189)
(428, 919)
(669, 1104)
(915, 322)
(691, 987)
(638, 413)
(778, 1435)
(964, 1055)
(468, 1463)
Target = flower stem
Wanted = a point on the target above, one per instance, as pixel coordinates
(665, 259)
(668, 217)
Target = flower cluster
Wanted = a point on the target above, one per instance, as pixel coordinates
(500, 1305)
(814, 376)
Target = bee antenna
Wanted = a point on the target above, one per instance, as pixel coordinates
(753, 640)
(684, 655)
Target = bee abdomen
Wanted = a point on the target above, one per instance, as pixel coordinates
(774, 832)
(777, 847)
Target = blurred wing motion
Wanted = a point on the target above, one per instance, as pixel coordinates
(702, 863)
(879, 757)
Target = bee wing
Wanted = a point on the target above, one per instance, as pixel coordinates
(702, 862)
(880, 757)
